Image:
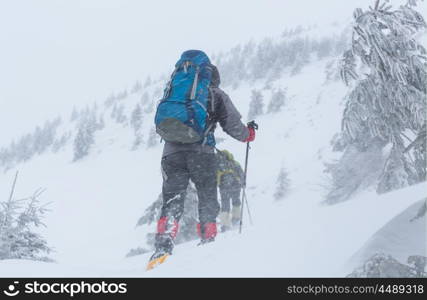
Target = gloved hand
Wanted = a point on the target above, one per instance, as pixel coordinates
(252, 126)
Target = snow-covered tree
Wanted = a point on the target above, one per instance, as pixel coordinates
(269, 58)
(145, 98)
(147, 82)
(100, 123)
(332, 70)
(136, 118)
(381, 265)
(85, 137)
(265, 59)
(117, 113)
(18, 221)
(282, 185)
(24, 148)
(277, 101)
(396, 172)
(136, 87)
(149, 107)
(136, 123)
(358, 168)
(122, 95)
(45, 136)
(302, 50)
(113, 113)
(387, 68)
(30, 144)
(59, 143)
(153, 138)
(111, 100)
(5, 158)
(256, 106)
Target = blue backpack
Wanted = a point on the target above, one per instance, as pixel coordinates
(182, 114)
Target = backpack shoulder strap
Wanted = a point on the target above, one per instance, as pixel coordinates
(211, 110)
(168, 87)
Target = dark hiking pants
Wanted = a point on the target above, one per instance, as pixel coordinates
(177, 169)
(229, 194)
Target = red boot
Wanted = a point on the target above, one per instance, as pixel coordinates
(167, 229)
(207, 232)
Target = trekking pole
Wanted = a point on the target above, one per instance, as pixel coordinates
(253, 125)
(245, 199)
(249, 211)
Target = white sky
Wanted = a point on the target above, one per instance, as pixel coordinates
(56, 53)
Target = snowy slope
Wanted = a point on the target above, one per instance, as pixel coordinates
(401, 237)
(311, 240)
(96, 202)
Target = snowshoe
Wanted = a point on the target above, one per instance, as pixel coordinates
(156, 259)
(206, 241)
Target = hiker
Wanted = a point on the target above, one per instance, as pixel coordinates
(230, 182)
(186, 118)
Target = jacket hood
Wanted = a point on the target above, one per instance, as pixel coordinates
(228, 154)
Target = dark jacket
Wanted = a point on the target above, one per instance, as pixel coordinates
(224, 112)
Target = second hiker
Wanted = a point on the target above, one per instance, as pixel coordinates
(230, 182)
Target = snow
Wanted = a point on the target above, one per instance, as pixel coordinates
(96, 202)
(295, 238)
(401, 237)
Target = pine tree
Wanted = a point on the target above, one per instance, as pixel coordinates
(18, 221)
(147, 82)
(145, 98)
(277, 101)
(110, 100)
(388, 98)
(136, 87)
(282, 186)
(5, 157)
(113, 113)
(149, 108)
(302, 52)
(396, 173)
(85, 137)
(265, 59)
(357, 169)
(60, 143)
(100, 124)
(25, 149)
(120, 116)
(136, 123)
(122, 95)
(44, 137)
(153, 138)
(381, 265)
(256, 106)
